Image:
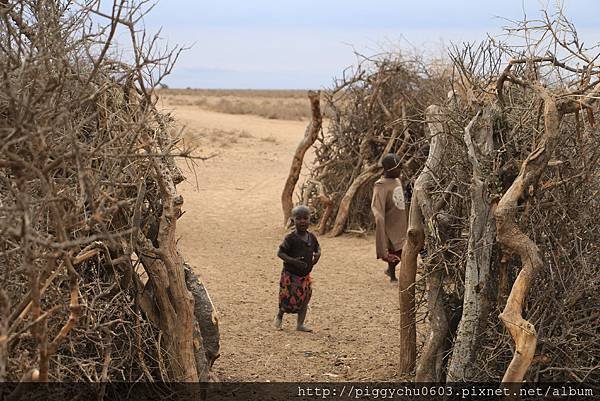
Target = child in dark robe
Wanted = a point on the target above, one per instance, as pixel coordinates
(389, 209)
(300, 251)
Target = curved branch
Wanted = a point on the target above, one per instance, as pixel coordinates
(511, 237)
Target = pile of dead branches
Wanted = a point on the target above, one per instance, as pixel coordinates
(555, 211)
(92, 285)
(376, 108)
(508, 213)
(504, 174)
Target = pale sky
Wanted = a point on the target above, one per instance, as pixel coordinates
(304, 44)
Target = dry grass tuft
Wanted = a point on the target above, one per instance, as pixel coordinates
(270, 139)
(216, 138)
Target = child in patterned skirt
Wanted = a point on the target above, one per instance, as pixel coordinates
(300, 251)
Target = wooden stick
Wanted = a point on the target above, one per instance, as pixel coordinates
(420, 209)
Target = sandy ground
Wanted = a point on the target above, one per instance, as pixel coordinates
(230, 232)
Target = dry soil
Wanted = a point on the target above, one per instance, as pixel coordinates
(230, 232)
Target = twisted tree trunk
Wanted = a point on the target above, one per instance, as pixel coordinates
(510, 236)
(310, 136)
(169, 302)
(481, 237)
(367, 173)
(420, 209)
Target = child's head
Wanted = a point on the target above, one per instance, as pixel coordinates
(301, 217)
(391, 165)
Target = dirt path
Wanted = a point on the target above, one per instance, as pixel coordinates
(230, 233)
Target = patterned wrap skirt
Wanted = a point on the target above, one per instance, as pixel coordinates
(294, 292)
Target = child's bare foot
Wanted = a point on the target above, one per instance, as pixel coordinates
(278, 323)
(302, 327)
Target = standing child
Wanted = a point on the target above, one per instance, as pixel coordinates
(300, 251)
(390, 215)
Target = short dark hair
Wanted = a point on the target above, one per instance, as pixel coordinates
(390, 161)
(300, 209)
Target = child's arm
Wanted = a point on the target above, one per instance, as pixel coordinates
(317, 252)
(298, 262)
(283, 254)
